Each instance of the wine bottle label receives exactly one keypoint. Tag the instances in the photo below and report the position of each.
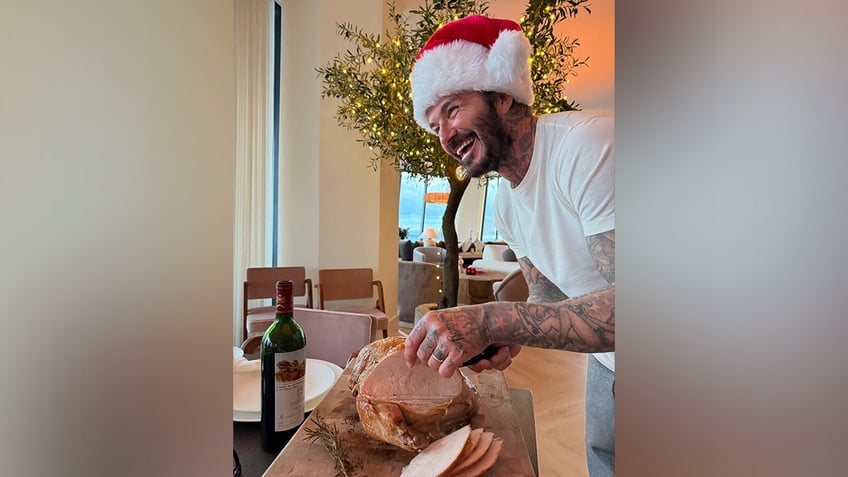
(289, 384)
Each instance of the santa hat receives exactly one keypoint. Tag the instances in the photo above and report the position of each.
(474, 53)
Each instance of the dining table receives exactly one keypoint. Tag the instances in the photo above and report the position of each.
(477, 288)
(248, 456)
(507, 412)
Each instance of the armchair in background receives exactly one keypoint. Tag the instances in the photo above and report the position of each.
(418, 283)
(435, 255)
(497, 257)
(512, 288)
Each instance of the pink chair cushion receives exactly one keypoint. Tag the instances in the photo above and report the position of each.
(259, 319)
(381, 318)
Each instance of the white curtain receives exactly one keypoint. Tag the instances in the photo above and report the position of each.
(254, 27)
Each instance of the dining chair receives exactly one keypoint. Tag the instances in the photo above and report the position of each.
(330, 335)
(261, 283)
(335, 284)
(418, 283)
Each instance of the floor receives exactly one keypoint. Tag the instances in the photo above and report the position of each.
(558, 382)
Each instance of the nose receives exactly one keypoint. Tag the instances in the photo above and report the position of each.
(445, 134)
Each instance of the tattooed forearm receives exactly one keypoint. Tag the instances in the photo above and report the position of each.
(542, 290)
(466, 323)
(583, 324)
(602, 248)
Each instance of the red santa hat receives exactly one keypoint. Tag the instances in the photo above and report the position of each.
(474, 53)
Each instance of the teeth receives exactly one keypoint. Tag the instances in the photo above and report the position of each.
(461, 149)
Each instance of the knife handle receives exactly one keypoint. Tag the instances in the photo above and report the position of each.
(487, 353)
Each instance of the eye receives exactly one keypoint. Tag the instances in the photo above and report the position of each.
(452, 111)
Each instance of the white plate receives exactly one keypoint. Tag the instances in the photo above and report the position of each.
(247, 400)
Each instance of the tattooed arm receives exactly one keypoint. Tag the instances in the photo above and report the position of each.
(583, 324)
(541, 289)
(602, 247)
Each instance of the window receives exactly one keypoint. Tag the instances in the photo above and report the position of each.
(416, 214)
(275, 153)
(411, 206)
(490, 233)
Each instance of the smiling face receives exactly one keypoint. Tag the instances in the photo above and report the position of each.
(471, 130)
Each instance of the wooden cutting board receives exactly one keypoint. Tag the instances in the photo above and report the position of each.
(302, 458)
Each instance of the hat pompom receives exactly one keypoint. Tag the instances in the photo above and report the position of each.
(508, 56)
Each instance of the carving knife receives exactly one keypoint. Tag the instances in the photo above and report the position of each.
(487, 353)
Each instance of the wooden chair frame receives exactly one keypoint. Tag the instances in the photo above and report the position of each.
(261, 282)
(351, 284)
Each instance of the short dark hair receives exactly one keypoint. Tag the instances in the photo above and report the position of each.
(516, 107)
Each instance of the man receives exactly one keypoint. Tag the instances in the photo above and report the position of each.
(471, 87)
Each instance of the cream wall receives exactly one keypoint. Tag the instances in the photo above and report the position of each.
(116, 236)
(300, 135)
(339, 211)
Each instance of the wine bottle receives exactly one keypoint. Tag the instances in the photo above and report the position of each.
(283, 365)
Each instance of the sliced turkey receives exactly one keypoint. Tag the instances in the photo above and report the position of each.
(439, 456)
(463, 453)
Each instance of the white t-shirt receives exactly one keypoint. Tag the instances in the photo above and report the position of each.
(567, 195)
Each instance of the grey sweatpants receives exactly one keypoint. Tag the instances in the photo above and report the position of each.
(600, 420)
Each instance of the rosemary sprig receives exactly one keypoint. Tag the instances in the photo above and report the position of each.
(329, 436)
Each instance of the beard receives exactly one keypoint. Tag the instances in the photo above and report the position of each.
(496, 143)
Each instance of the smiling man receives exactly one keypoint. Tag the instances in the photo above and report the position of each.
(471, 87)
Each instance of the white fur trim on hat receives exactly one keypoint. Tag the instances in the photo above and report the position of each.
(462, 66)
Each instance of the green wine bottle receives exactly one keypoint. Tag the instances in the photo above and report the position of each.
(283, 364)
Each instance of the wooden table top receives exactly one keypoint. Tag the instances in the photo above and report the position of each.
(301, 458)
(483, 275)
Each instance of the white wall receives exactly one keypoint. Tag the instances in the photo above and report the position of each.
(116, 232)
(339, 212)
(349, 210)
(300, 125)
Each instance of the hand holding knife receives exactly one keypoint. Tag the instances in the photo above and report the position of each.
(487, 353)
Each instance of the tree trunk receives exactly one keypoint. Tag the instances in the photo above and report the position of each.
(450, 273)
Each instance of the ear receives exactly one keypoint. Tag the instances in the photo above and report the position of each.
(503, 103)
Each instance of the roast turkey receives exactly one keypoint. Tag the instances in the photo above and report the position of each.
(408, 407)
